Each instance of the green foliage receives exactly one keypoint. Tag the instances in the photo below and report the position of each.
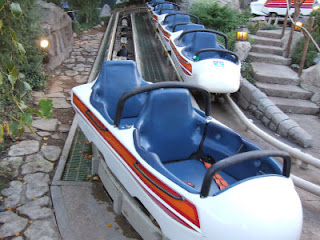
(87, 11)
(312, 50)
(270, 27)
(247, 71)
(19, 59)
(27, 29)
(215, 16)
(316, 14)
(232, 39)
(253, 27)
(311, 54)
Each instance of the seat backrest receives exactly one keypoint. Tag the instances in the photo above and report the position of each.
(163, 6)
(201, 40)
(168, 125)
(156, 2)
(175, 19)
(115, 78)
(188, 26)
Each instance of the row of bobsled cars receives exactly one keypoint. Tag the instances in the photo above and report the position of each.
(196, 177)
(196, 52)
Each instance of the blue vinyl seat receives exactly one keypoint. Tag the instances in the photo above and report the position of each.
(169, 126)
(154, 2)
(198, 41)
(167, 11)
(188, 26)
(159, 7)
(172, 20)
(115, 78)
(168, 131)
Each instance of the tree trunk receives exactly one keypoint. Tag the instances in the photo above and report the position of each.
(295, 17)
(306, 46)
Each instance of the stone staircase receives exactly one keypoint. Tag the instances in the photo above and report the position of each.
(274, 76)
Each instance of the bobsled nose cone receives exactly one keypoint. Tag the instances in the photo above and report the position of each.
(220, 81)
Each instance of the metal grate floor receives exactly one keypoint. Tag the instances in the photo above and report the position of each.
(78, 166)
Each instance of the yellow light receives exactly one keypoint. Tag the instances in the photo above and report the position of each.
(298, 26)
(44, 43)
(242, 36)
(315, 8)
(242, 33)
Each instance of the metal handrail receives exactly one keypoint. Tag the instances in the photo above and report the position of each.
(294, 152)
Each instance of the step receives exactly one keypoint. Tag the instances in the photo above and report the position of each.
(296, 106)
(276, 34)
(258, 48)
(284, 91)
(276, 74)
(267, 41)
(269, 58)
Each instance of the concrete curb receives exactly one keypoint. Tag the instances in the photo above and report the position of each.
(258, 104)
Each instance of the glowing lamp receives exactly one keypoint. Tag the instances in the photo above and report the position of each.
(298, 26)
(44, 43)
(315, 6)
(242, 33)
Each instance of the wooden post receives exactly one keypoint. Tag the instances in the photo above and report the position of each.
(297, 5)
(306, 45)
(285, 24)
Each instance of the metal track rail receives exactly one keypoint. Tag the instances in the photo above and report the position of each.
(113, 38)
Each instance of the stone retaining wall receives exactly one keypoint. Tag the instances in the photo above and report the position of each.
(259, 105)
(58, 27)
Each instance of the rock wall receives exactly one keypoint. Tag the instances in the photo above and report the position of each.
(310, 80)
(296, 37)
(58, 27)
(259, 105)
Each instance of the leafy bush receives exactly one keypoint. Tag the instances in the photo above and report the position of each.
(20, 58)
(215, 16)
(270, 27)
(87, 11)
(247, 71)
(312, 50)
(27, 29)
(311, 54)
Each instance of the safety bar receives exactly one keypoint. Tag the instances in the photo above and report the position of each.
(155, 86)
(242, 157)
(208, 31)
(172, 14)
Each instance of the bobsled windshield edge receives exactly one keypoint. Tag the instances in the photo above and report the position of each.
(155, 86)
(196, 18)
(207, 31)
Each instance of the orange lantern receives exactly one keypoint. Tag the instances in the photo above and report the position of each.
(242, 33)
